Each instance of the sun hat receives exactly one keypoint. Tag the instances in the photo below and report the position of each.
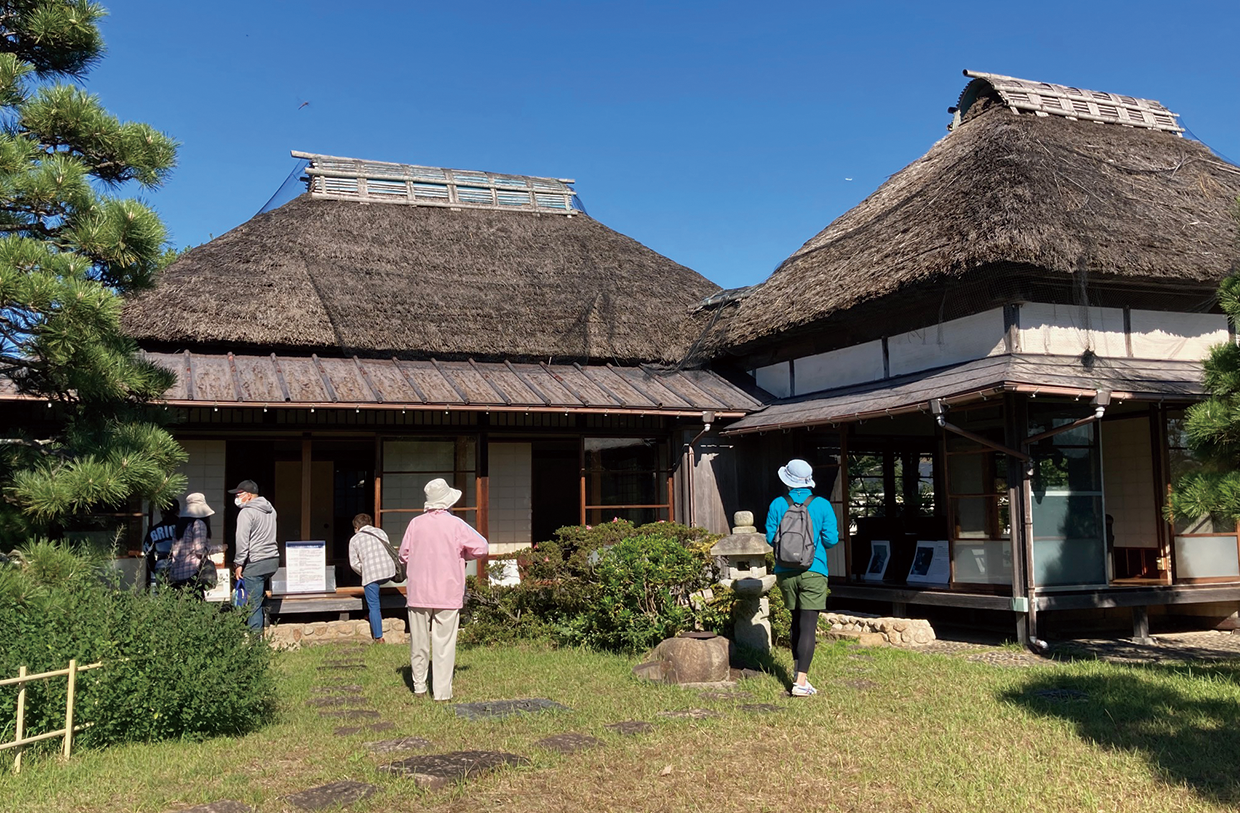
(797, 474)
(248, 486)
(196, 506)
(440, 495)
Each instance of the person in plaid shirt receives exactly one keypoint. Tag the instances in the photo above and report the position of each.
(192, 545)
(370, 556)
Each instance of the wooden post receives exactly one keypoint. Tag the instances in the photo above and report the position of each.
(69, 708)
(21, 719)
(307, 493)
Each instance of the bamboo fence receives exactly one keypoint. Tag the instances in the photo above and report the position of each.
(67, 732)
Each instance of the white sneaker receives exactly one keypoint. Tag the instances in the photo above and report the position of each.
(803, 691)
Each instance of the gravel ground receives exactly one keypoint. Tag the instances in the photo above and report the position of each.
(1204, 646)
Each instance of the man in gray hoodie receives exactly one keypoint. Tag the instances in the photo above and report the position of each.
(257, 556)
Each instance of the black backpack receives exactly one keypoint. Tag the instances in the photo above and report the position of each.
(795, 543)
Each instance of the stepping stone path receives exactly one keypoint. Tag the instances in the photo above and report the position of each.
(350, 730)
(398, 744)
(760, 708)
(434, 771)
(715, 694)
(627, 728)
(506, 708)
(1061, 695)
(340, 688)
(336, 794)
(352, 715)
(222, 806)
(342, 666)
(860, 685)
(336, 700)
(689, 714)
(569, 742)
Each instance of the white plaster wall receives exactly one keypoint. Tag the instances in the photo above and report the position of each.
(1069, 330)
(965, 339)
(839, 368)
(1128, 482)
(774, 379)
(1176, 336)
(510, 503)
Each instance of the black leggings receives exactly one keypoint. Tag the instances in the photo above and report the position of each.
(804, 636)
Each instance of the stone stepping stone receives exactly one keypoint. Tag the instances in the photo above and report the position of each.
(222, 806)
(341, 688)
(342, 666)
(1061, 695)
(336, 794)
(628, 728)
(689, 714)
(336, 700)
(569, 742)
(352, 715)
(505, 708)
(716, 694)
(434, 771)
(350, 730)
(760, 708)
(860, 685)
(398, 744)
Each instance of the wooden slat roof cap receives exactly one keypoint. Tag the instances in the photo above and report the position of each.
(1047, 99)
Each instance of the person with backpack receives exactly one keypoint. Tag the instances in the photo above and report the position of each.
(373, 558)
(800, 527)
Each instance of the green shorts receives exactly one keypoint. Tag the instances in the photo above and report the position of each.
(803, 591)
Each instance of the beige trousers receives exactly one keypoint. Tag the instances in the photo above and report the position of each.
(432, 638)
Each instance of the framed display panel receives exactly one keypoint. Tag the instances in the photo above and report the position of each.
(880, 556)
(931, 563)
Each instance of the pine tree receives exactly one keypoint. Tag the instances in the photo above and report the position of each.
(1213, 430)
(70, 248)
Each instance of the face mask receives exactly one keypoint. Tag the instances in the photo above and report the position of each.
(237, 501)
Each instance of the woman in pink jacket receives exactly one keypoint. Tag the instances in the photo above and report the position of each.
(435, 547)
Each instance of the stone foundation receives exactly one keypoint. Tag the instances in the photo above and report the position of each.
(294, 636)
(869, 630)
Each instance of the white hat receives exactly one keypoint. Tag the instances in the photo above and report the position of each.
(440, 495)
(797, 474)
(196, 506)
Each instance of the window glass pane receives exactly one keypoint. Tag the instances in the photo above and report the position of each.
(866, 497)
(625, 471)
(1068, 540)
(432, 455)
(1206, 557)
(983, 562)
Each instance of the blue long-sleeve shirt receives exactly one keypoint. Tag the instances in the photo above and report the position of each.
(826, 530)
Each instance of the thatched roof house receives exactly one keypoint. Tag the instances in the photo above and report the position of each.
(483, 266)
(1034, 194)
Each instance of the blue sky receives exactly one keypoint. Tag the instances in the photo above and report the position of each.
(723, 135)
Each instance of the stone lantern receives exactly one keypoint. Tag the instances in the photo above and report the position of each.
(744, 570)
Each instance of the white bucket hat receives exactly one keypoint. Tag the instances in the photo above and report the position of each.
(196, 506)
(797, 474)
(440, 495)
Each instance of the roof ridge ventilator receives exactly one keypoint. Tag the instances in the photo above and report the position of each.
(1047, 99)
(334, 178)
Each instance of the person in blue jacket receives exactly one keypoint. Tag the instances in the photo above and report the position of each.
(805, 591)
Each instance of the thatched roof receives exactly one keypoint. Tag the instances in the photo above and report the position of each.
(1003, 202)
(348, 278)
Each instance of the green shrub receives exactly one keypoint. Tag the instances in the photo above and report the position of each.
(611, 586)
(174, 666)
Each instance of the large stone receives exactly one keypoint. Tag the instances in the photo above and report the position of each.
(434, 771)
(693, 660)
(336, 794)
(506, 708)
(398, 744)
(872, 639)
(627, 728)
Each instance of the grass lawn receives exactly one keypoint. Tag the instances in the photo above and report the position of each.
(890, 731)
